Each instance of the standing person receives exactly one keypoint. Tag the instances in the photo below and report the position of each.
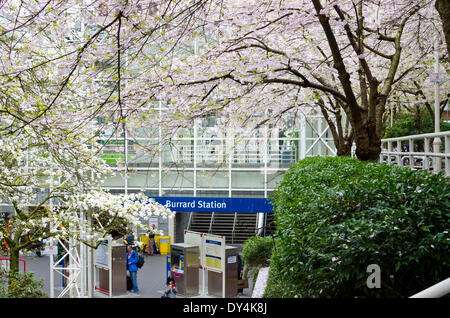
(151, 239)
(128, 239)
(132, 259)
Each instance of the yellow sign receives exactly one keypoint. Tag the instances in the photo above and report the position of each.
(213, 262)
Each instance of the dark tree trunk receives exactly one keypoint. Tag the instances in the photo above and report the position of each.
(368, 141)
(443, 7)
(14, 259)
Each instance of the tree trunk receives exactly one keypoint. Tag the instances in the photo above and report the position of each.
(368, 141)
(345, 147)
(13, 263)
(14, 259)
(443, 7)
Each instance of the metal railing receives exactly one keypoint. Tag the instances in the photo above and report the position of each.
(436, 291)
(416, 151)
(249, 154)
(5, 264)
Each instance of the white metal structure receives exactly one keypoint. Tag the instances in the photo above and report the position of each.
(420, 154)
(70, 272)
(436, 291)
(206, 159)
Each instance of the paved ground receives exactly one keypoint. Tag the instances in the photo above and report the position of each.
(151, 277)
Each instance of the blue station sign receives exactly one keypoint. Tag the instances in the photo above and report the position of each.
(207, 204)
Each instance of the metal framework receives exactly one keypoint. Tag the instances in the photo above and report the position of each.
(69, 267)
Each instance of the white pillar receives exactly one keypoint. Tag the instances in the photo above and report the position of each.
(437, 166)
(302, 136)
(171, 228)
(319, 135)
(83, 253)
(90, 253)
(52, 277)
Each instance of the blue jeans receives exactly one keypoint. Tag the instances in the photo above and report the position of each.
(135, 288)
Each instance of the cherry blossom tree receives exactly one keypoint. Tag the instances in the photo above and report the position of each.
(61, 66)
(37, 170)
(49, 185)
(271, 54)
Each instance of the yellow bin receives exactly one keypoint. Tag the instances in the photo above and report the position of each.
(144, 240)
(163, 243)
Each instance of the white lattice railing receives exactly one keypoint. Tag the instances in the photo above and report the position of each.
(418, 153)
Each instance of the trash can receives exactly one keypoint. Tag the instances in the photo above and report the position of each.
(163, 243)
(185, 264)
(144, 241)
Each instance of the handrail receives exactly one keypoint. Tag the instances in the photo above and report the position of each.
(436, 291)
(428, 135)
(427, 159)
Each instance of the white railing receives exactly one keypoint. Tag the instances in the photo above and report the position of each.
(419, 152)
(436, 291)
(416, 151)
(248, 154)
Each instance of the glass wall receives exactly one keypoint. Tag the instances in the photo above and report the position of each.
(204, 161)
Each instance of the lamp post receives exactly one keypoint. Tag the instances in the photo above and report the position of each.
(436, 78)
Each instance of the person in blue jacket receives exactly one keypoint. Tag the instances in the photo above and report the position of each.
(132, 259)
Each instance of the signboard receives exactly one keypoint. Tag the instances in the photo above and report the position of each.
(102, 260)
(102, 254)
(51, 250)
(437, 77)
(193, 238)
(153, 221)
(207, 204)
(232, 259)
(214, 252)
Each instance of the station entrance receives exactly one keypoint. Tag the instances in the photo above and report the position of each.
(236, 227)
(235, 218)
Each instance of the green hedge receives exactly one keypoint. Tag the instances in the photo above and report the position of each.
(335, 216)
(256, 253)
(20, 285)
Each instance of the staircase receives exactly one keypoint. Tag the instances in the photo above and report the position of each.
(200, 222)
(269, 228)
(246, 227)
(223, 224)
(236, 227)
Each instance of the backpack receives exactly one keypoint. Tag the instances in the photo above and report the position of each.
(140, 261)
